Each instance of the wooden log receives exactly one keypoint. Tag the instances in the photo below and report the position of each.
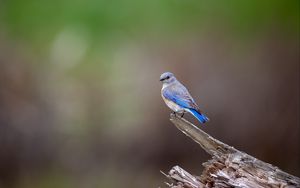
(228, 166)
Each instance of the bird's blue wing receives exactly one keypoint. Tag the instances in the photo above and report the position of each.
(183, 99)
(178, 94)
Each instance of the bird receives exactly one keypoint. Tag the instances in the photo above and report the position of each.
(178, 99)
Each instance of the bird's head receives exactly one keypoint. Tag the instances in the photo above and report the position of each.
(167, 77)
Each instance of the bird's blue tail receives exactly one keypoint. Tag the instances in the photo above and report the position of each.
(201, 117)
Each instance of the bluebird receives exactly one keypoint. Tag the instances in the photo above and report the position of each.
(177, 97)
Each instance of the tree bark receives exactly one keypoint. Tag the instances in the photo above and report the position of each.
(228, 166)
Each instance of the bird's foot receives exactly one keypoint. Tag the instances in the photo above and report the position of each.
(174, 113)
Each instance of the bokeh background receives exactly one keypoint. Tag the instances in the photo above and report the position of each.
(80, 101)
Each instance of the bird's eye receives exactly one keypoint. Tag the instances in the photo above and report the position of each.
(167, 77)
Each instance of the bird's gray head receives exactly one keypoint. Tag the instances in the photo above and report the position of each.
(167, 77)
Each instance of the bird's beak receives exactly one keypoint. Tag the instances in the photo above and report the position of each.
(161, 79)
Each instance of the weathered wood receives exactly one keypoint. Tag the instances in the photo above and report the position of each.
(182, 178)
(228, 166)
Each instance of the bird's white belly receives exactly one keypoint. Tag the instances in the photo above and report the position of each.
(173, 106)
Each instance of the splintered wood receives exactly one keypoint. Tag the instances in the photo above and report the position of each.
(228, 166)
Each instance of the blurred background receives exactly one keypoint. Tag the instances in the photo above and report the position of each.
(80, 102)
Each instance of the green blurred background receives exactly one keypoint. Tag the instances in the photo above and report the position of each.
(80, 101)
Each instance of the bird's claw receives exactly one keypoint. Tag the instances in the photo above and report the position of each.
(174, 113)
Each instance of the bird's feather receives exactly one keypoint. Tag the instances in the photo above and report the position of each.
(179, 95)
(201, 117)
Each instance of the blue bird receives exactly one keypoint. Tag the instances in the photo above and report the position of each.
(177, 97)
